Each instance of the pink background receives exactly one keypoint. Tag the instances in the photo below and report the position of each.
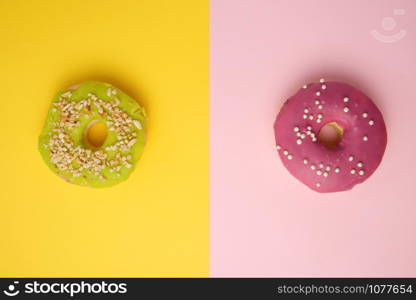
(263, 221)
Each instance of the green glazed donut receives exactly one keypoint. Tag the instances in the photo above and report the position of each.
(65, 145)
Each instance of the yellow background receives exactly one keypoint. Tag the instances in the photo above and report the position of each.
(155, 223)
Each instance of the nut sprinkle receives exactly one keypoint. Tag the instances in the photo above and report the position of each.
(70, 156)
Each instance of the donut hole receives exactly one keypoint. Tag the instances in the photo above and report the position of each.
(95, 134)
(330, 135)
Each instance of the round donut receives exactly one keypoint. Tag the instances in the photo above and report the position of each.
(65, 143)
(333, 167)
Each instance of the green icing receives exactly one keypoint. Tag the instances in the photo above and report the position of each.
(72, 164)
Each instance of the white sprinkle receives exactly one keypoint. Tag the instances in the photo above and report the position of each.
(132, 142)
(128, 166)
(337, 170)
(278, 147)
(361, 172)
(298, 134)
(305, 116)
(321, 80)
(285, 152)
(359, 164)
(308, 132)
(318, 184)
(309, 127)
(318, 93)
(306, 110)
(313, 167)
(299, 141)
(302, 136)
(321, 165)
(317, 102)
(365, 138)
(314, 139)
(318, 121)
(320, 107)
(328, 168)
(351, 158)
(346, 109)
(320, 116)
(346, 99)
(290, 156)
(365, 115)
(319, 172)
(371, 122)
(137, 124)
(305, 161)
(352, 171)
(305, 86)
(295, 129)
(325, 174)
(323, 86)
(310, 117)
(67, 94)
(109, 92)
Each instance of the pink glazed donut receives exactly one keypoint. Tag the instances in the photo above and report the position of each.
(342, 164)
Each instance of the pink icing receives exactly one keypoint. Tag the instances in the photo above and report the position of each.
(358, 154)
